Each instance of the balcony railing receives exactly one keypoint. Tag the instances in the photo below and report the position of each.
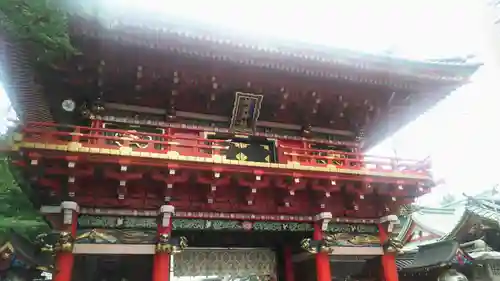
(199, 145)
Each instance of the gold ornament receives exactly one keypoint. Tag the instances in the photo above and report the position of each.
(325, 245)
(94, 235)
(64, 242)
(45, 247)
(164, 245)
(393, 246)
(5, 255)
(133, 139)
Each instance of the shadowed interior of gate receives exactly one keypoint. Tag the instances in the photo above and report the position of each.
(113, 267)
(135, 267)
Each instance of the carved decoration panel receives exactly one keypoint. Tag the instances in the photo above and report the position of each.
(226, 262)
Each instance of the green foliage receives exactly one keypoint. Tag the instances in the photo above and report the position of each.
(40, 24)
(16, 211)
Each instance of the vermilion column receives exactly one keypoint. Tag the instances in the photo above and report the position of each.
(322, 259)
(161, 262)
(389, 268)
(65, 259)
(287, 254)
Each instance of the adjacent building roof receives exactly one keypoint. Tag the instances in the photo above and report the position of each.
(477, 210)
(449, 225)
(445, 222)
(424, 259)
(430, 256)
(427, 224)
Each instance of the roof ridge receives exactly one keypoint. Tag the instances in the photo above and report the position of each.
(437, 210)
(217, 37)
(206, 27)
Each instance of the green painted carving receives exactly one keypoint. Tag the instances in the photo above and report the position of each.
(96, 221)
(195, 224)
(138, 222)
(267, 226)
(88, 221)
(188, 224)
(280, 226)
(297, 226)
(85, 221)
(352, 228)
(224, 224)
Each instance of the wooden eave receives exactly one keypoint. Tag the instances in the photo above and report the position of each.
(428, 81)
(395, 112)
(25, 95)
(218, 45)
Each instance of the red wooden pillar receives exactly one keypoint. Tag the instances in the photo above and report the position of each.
(95, 124)
(389, 268)
(323, 271)
(65, 259)
(161, 262)
(289, 274)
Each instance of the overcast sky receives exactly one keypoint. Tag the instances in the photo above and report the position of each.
(459, 134)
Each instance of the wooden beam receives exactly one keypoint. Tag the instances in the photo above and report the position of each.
(217, 118)
(344, 254)
(114, 249)
(131, 249)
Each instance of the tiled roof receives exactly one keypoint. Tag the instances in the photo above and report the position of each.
(449, 219)
(485, 209)
(405, 260)
(401, 263)
(479, 208)
(448, 252)
(438, 221)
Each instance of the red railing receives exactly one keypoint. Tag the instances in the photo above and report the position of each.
(194, 142)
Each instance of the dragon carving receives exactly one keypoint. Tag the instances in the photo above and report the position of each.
(134, 139)
(166, 244)
(393, 246)
(55, 242)
(326, 245)
(94, 236)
